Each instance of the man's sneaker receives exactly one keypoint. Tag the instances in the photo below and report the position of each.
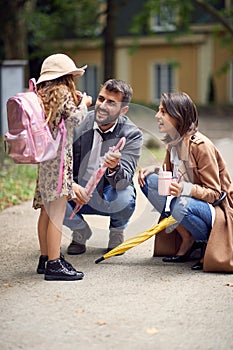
(115, 239)
(56, 270)
(41, 265)
(76, 248)
(79, 238)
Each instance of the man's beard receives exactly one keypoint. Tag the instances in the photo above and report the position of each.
(108, 120)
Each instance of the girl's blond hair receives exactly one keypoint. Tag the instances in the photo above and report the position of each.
(51, 94)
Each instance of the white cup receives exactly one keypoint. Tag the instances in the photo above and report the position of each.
(164, 182)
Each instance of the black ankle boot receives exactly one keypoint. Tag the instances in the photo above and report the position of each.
(68, 265)
(56, 270)
(41, 265)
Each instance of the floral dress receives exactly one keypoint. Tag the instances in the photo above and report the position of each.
(48, 172)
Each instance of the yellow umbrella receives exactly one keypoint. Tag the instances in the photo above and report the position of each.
(141, 237)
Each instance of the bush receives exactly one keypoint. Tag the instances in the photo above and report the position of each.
(17, 181)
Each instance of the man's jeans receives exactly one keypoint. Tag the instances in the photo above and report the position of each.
(195, 215)
(118, 205)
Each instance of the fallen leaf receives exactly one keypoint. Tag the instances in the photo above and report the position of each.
(79, 311)
(101, 322)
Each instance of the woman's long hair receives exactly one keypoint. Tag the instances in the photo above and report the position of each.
(52, 92)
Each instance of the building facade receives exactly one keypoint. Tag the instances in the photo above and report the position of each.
(153, 64)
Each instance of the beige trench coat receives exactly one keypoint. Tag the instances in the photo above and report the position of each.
(204, 166)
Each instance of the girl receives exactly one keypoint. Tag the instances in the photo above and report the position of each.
(56, 90)
(200, 170)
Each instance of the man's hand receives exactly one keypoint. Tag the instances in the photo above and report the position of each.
(81, 195)
(112, 158)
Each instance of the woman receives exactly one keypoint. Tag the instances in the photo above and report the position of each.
(58, 95)
(199, 172)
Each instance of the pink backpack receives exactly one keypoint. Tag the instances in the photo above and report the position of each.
(29, 139)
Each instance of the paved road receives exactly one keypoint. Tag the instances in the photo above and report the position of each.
(133, 301)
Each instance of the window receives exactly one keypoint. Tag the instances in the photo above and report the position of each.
(163, 80)
(163, 21)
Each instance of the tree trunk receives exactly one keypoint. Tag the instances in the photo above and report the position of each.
(13, 30)
(109, 40)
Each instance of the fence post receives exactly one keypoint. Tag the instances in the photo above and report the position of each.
(12, 78)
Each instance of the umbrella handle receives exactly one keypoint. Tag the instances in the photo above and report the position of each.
(97, 261)
(74, 212)
(99, 173)
(120, 145)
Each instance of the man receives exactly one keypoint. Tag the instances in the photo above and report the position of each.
(115, 194)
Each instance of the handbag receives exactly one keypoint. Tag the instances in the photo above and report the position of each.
(166, 244)
(219, 251)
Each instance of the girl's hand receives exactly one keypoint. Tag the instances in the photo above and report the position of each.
(144, 172)
(176, 188)
(79, 95)
(87, 100)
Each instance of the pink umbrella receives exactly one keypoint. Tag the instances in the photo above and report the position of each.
(97, 175)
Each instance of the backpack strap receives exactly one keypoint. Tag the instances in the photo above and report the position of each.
(63, 132)
(32, 85)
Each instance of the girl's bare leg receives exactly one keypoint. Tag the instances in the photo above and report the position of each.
(56, 213)
(42, 231)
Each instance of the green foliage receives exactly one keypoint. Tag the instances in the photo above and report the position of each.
(180, 15)
(17, 181)
(177, 18)
(57, 20)
(171, 12)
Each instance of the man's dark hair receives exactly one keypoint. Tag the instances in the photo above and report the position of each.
(121, 86)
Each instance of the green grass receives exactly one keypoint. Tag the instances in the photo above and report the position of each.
(17, 181)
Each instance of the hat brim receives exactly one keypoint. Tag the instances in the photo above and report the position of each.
(54, 75)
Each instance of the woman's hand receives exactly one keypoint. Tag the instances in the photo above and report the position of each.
(144, 172)
(81, 195)
(176, 188)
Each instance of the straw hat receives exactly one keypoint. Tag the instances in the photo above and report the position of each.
(57, 65)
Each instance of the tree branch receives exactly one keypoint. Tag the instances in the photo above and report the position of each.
(216, 14)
